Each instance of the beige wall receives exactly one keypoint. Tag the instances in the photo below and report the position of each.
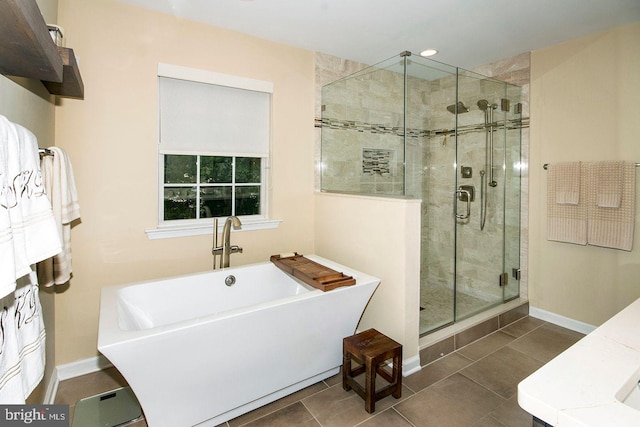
(585, 105)
(111, 137)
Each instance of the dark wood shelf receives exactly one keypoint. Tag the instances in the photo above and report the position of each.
(27, 50)
(71, 85)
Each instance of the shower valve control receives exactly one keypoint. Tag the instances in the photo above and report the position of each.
(466, 171)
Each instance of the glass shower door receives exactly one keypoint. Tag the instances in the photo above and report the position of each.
(513, 173)
(488, 186)
(431, 158)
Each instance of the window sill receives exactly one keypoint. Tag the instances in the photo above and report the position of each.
(165, 232)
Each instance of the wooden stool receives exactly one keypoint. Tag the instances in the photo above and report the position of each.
(371, 349)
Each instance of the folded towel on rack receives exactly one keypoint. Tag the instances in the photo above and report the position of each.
(611, 226)
(608, 183)
(60, 185)
(567, 183)
(32, 225)
(567, 221)
(22, 348)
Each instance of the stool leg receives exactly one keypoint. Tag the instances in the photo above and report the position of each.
(397, 376)
(370, 387)
(346, 369)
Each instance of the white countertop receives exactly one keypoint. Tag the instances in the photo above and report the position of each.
(582, 386)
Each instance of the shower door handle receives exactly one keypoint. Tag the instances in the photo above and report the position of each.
(461, 194)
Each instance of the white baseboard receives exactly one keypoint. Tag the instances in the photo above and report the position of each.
(411, 366)
(565, 322)
(82, 367)
(72, 370)
(52, 389)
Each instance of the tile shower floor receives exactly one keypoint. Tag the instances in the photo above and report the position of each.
(474, 386)
(438, 304)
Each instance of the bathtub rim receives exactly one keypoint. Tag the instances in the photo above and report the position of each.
(110, 333)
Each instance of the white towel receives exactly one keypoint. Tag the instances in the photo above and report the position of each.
(61, 188)
(22, 196)
(22, 338)
(567, 183)
(610, 226)
(41, 239)
(567, 222)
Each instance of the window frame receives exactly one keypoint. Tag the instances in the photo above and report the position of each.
(199, 226)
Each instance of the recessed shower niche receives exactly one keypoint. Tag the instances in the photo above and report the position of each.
(422, 120)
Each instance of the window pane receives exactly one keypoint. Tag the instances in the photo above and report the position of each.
(179, 203)
(248, 169)
(215, 169)
(248, 200)
(215, 201)
(179, 169)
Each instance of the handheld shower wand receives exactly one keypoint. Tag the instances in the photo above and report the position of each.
(484, 105)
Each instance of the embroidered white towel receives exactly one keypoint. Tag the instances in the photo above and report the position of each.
(567, 183)
(610, 226)
(59, 182)
(41, 238)
(32, 228)
(22, 346)
(567, 221)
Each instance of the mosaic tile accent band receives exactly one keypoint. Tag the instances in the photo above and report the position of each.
(415, 133)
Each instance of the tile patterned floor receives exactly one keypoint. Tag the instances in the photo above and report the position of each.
(474, 386)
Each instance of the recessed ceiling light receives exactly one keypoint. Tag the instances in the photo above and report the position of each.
(428, 52)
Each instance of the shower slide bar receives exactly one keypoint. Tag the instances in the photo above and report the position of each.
(546, 165)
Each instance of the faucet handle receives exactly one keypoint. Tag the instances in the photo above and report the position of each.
(235, 249)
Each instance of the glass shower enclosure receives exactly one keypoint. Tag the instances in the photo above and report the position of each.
(413, 127)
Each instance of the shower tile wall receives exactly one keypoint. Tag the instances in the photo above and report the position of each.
(328, 69)
(367, 112)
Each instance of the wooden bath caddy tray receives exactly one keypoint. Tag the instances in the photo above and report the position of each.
(311, 272)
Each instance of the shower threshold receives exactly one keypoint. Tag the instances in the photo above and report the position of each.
(451, 337)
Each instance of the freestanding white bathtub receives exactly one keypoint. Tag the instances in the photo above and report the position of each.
(198, 352)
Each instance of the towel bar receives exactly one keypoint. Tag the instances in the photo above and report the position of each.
(546, 165)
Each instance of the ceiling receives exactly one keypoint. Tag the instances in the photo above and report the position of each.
(467, 33)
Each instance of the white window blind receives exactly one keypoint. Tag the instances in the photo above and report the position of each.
(197, 117)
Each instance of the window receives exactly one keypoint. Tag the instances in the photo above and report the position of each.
(211, 186)
(213, 152)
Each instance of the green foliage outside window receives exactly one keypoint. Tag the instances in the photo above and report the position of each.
(224, 186)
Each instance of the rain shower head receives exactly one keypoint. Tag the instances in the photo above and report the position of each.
(458, 108)
(483, 104)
